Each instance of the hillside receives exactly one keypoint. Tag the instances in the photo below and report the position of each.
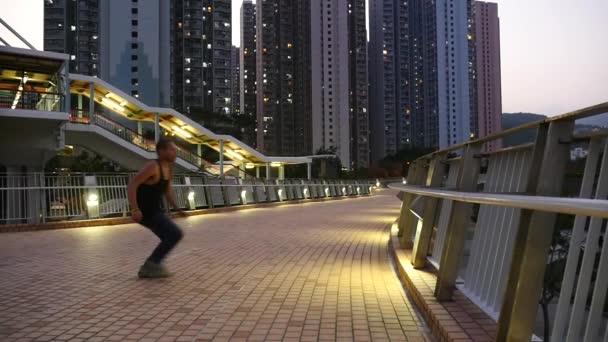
(510, 120)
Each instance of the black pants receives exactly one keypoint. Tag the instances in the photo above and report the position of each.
(168, 233)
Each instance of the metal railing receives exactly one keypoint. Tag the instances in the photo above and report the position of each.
(38, 198)
(129, 135)
(518, 230)
(21, 99)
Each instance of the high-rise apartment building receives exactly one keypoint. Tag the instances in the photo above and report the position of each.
(72, 27)
(284, 77)
(201, 43)
(247, 78)
(235, 101)
(488, 75)
(339, 80)
(248, 59)
(389, 77)
(134, 50)
(170, 53)
(123, 42)
(453, 71)
(420, 74)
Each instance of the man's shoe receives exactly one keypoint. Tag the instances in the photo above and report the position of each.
(152, 270)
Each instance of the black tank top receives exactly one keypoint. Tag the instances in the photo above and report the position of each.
(150, 196)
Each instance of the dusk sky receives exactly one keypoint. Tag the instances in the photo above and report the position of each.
(554, 53)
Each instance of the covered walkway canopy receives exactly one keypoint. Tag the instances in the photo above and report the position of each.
(103, 93)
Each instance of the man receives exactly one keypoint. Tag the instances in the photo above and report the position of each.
(146, 191)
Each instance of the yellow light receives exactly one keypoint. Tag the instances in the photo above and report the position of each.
(289, 45)
(472, 135)
(249, 166)
(230, 152)
(93, 197)
(191, 196)
(275, 164)
(111, 103)
(181, 132)
(469, 37)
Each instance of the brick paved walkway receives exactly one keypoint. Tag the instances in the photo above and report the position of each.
(312, 272)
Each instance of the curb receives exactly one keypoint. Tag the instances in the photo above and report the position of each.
(453, 321)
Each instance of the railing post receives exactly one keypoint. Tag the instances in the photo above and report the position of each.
(534, 235)
(406, 219)
(91, 100)
(79, 106)
(459, 218)
(156, 127)
(66, 79)
(222, 159)
(309, 170)
(423, 236)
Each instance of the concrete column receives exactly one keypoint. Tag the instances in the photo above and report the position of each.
(66, 86)
(156, 127)
(257, 172)
(140, 127)
(282, 172)
(242, 171)
(221, 158)
(199, 149)
(91, 100)
(267, 170)
(309, 169)
(79, 105)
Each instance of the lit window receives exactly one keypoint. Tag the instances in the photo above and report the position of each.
(73, 28)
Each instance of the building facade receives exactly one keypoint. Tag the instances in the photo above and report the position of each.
(235, 101)
(339, 80)
(247, 78)
(135, 50)
(201, 45)
(453, 71)
(283, 76)
(72, 27)
(488, 74)
(388, 77)
(420, 74)
(168, 53)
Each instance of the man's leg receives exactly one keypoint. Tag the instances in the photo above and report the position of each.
(169, 235)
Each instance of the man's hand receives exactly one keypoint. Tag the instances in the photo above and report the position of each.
(136, 215)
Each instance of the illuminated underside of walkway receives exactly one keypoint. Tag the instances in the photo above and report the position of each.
(313, 272)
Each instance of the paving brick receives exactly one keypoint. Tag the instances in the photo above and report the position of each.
(310, 272)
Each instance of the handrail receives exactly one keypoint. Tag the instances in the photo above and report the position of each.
(574, 115)
(570, 206)
(146, 144)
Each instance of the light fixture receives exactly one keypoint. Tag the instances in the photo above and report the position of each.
(111, 103)
(327, 192)
(404, 181)
(191, 196)
(181, 132)
(377, 183)
(275, 164)
(249, 166)
(343, 191)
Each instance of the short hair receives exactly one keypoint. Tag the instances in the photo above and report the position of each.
(163, 143)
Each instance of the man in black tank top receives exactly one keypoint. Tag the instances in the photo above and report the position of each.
(146, 191)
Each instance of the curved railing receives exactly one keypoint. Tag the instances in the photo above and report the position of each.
(508, 227)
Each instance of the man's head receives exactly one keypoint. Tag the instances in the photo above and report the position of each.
(165, 149)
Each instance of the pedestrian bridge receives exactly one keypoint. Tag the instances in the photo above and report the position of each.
(307, 272)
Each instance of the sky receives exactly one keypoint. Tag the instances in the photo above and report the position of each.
(554, 53)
